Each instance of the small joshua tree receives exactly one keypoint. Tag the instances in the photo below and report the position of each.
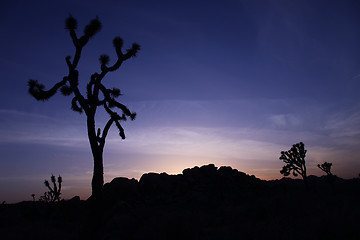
(326, 167)
(97, 95)
(33, 197)
(295, 161)
(54, 192)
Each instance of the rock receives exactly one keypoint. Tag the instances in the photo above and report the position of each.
(75, 199)
(121, 189)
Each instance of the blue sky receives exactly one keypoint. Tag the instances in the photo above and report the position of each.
(223, 82)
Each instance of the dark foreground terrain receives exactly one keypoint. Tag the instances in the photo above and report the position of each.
(201, 203)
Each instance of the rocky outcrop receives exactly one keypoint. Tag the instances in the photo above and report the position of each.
(206, 182)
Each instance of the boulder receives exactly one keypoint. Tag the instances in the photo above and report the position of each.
(121, 189)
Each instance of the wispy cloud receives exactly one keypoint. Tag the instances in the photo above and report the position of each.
(357, 76)
(344, 125)
(284, 120)
(24, 127)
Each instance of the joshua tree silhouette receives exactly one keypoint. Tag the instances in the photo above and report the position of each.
(295, 161)
(326, 167)
(97, 95)
(54, 192)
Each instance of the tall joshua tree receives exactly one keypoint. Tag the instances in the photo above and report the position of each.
(97, 95)
(295, 161)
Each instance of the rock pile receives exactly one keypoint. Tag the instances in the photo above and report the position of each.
(206, 182)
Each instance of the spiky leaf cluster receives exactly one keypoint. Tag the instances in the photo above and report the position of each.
(115, 92)
(92, 28)
(104, 59)
(70, 23)
(132, 116)
(133, 50)
(36, 90)
(118, 42)
(66, 90)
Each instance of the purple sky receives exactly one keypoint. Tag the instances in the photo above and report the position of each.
(223, 82)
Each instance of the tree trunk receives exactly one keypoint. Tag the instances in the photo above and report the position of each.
(306, 181)
(98, 176)
(304, 175)
(97, 152)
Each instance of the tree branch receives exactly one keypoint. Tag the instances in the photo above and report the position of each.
(36, 89)
(105, 132)
(74, 81)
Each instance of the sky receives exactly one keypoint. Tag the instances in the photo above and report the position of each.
(231, 83)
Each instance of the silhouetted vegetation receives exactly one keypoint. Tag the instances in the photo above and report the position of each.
(326, 167)
(54, 192)
(97, 94)
(295, 161)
